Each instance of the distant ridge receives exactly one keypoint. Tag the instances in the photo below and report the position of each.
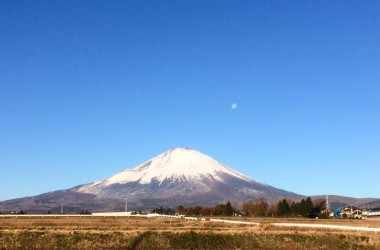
(337, 201)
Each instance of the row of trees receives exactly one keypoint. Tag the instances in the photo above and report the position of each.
(161, 210)
(304, 208)
(14, 212)
(260, 207)
(256, 208)
(219, 210)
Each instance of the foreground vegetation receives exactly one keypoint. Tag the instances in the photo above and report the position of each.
(179, 240)
(161, 233)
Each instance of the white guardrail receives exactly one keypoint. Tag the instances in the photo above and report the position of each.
(43, 215)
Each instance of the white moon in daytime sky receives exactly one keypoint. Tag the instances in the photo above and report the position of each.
(234, 105)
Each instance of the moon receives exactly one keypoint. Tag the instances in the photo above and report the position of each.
(234, 105)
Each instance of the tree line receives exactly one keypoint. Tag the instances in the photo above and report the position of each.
(284, 208)
(218, 210)
(260, 207)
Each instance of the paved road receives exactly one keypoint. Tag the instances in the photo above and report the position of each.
(236, 222)
(322, 226)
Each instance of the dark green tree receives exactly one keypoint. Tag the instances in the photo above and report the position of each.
(302, 208)
(180, 209)
(308, 206)
(295, 208)
(229, 209)
(283, 208)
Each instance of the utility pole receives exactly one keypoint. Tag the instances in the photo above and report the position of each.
(126, 204)
(62, 208)
(327, 203)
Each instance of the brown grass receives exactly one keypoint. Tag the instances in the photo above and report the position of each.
(163, 233)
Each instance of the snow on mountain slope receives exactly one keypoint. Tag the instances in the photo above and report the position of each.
(180, 176)
(176, 165)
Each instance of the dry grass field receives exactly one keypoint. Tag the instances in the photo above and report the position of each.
(164, 233)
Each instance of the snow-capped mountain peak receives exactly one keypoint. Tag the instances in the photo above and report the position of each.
(175, 165)
(180, 176)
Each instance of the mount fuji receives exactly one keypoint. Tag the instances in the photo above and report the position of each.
(179, 176)
(183, 176)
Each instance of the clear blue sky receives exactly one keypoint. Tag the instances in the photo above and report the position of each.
(89, 88)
